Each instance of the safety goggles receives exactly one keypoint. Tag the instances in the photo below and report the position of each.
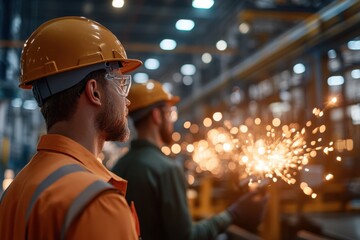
(171, 113)
(122, 82)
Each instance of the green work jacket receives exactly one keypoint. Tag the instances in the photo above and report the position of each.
(157, 187)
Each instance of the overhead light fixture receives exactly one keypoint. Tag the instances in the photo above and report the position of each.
(335, 80)
(177, 77)
(203, 4)
(355, 114)
(279, 107)
(188, 69)
(118, 3)
(354, 45)
(206, 58)
(244, 28)
(168, 44)
(187, 80)
(285, 96)
(221, 45)
(236, 96)
(16, 103)
(152, 64)
(355, 73)
(30, 105)
(332, 53)
(141, 77)
(185, 25)
(299, 68)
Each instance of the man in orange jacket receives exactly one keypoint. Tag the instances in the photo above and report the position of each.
(75, 68)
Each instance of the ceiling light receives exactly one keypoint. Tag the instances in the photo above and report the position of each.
(204, 4)
(235, 97)
(331, 53)
(177, 77)
(185, 25)
(285, 96)
(279, 107)
(355, 114)
(16, 103)
(206, 58)
(168, 44)
(299, 68)
(187, 80)
(244, 28)
(118, 3)
(141, 77)
(335, 80)
(354, 45)
(355, 73)
(221, 45)
(188, 69)
(152, 64)
(30, 105)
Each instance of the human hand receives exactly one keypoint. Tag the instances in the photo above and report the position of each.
(248, 210)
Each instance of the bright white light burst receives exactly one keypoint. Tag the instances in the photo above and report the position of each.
(262, 151)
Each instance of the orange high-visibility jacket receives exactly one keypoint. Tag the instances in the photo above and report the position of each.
(64, 192)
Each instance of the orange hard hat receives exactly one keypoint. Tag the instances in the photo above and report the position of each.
(143, 95)
(70, 43)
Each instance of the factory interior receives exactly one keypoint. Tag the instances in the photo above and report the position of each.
(253, 76)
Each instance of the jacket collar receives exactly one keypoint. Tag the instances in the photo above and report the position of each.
(67, 146)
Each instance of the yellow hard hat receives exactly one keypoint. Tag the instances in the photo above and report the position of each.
(70, 43)
(143, 95)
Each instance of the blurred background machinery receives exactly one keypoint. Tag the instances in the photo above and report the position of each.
(230, 61)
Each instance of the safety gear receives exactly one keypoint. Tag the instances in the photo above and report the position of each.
(143, 95)
(37, 199)
(248, 210)
(70, 43)
(171, 113)
(122, 82)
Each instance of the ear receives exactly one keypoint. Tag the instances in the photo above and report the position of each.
(92, 92)
(156, 116)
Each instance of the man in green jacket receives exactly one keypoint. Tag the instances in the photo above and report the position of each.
(157, 185)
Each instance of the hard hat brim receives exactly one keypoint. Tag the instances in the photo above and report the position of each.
(130, 65)
(174, 100)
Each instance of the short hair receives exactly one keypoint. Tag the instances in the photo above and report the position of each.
(61, 106)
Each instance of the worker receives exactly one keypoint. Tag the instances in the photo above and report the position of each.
(75, 68)
(156, 183)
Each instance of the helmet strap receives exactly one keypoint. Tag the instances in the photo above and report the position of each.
(48, 86)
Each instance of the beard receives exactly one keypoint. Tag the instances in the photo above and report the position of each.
(112, 121)
(166, 133)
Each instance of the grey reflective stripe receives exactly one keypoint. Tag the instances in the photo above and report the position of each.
(81, 201)
(53, 177)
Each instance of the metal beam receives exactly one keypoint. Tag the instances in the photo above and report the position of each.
(250, 15)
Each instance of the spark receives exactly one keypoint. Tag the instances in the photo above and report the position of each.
(263, 151)
(329, 177)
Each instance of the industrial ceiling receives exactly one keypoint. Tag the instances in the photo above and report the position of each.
(142, 24)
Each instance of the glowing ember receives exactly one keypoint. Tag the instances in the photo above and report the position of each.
(261, 151)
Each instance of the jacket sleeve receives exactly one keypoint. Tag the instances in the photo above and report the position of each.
(176, 216)
(108, 216)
